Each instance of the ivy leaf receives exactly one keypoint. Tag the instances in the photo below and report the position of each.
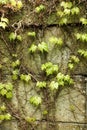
(53, 85)
(1, 86)
(36, 100)
(16, 63)
(83, 21)
(19, 4)
(55, 40)
(75, 10)
(43, 47)
(63, 21)
(15, 72)
(31, 34)
(40, 8)
(7, 116)
(2, 117)
(33, 48)
(9, 95)
(66, 4)
(13, 3)
(41, 84)
(9, 86)
(3, 92)
(3, 108)
(30, 120)
(3, 25)
(12, 36)
(67, 11)
(71, 66)
(14, 77)
(19, 38)
(25, 78)
(4, 20)
(3, 1)
(46, 65)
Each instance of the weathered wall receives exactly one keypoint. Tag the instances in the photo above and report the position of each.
(67, 109)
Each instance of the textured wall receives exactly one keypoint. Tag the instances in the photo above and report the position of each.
(67, 109)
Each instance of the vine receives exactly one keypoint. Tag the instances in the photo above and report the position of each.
(52, 80)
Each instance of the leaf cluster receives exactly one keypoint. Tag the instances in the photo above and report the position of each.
(49, 68)
(6, 90)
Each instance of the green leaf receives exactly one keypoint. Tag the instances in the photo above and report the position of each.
(15, 63)
(14, 77)
(12, 36)
(63, 21)
(15, 72)
(75, 10)
(70, 66)
(35, 100)
(2, 117)
(31, 34)
(41, 84)
(25, 78)
(3, 92)
(83, 52)
(4, 20)
(83, 21)
(9, 95)
(3, 25)
(9, 86)
(7, 116)
(67, 11)
(66, 4)
(46, 65)
(1, 86)
(30, 120)
(49, 68)
(43, 47)
(40, 8)
(55, 40)
(75, 59)
(3, 108)
(53, 85)
(19, 38)
(33, 48)
(3, 1)
(19, 4)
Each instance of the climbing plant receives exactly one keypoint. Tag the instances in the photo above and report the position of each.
(52, 80)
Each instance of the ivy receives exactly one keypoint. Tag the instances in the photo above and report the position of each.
(56, 41)
(41, 84)
(31, 34)
(39, 8)
(35, 100)
(32, 48)
(81, 36)
(30, 119)
(49, 68)
(73, 61)
(6, 90)
(4, 22)
(64, 79)
(54, 86)
(15, 63)
(43, 47)
(83, 53)
(25, 77)
(13, 36)
(83, 21)
(66, 4)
